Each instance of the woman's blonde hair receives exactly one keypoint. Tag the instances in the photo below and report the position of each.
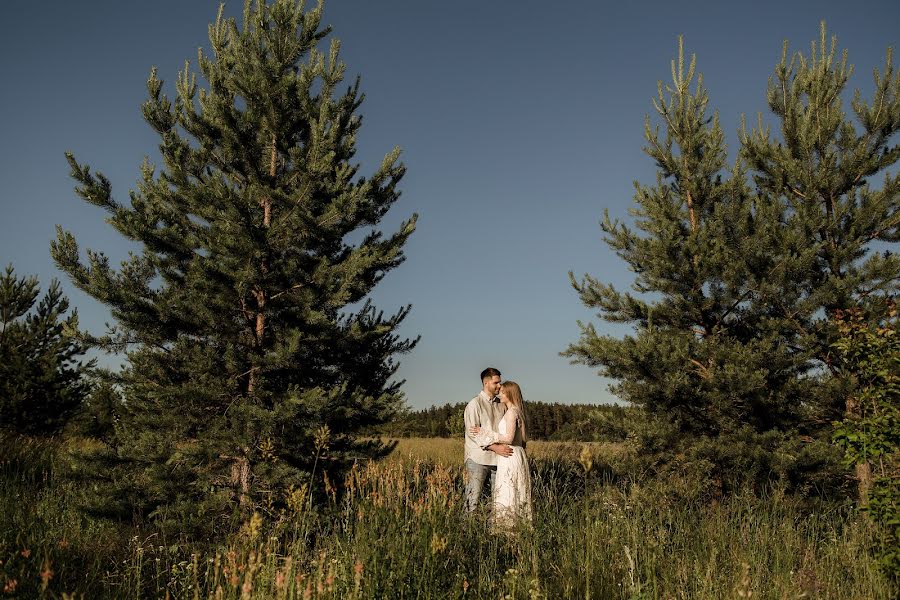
(514, 393)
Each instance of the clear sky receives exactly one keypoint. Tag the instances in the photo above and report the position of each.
(520, 122)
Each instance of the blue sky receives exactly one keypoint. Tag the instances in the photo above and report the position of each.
(520, 123)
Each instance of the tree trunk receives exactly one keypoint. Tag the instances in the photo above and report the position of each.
(260, 293)
(240, 479)
(862, 470)
(691, 213)
(864, 481)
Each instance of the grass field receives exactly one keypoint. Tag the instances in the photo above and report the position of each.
(398, 531)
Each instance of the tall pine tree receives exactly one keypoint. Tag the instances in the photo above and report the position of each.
(735, 342)
(237, 316)
(700, 356)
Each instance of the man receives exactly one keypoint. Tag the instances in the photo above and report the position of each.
(484, 410)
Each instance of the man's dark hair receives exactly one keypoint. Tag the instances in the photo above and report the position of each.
(489, 372)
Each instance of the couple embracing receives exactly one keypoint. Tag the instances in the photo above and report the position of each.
(495, 450)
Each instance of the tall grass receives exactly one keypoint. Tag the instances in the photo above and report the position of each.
(398, 531)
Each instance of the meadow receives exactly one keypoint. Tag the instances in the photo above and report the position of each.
(396, 529)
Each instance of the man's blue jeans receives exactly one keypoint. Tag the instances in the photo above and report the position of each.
(475, 486)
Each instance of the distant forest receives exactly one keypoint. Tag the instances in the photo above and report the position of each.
(546, 421)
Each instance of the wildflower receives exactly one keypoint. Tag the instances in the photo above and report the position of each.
(280, 579)
(63, 543)
(296, 498)
(329, 579)
(10, 586)
(25, 553)
(438, 544)
(534, 590)
(46, 575)
(320, 441)
(744, 590)
(253, 526)
(358, 568)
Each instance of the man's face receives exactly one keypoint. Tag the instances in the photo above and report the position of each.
(492, 385)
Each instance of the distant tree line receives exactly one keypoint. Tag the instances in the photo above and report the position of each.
(546, 421)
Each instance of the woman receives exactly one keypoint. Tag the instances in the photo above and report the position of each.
(512, 487)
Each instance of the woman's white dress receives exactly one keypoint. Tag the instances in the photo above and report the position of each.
(512, 487)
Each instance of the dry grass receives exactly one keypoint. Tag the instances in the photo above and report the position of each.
(398, 531)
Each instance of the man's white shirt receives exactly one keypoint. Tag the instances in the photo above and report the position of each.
(483, 411)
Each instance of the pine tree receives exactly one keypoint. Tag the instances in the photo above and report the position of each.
(42, 380)
(735, 342)
(701, 357)
(816, 178)
(237, 315)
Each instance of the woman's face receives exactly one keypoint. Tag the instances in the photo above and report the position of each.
(503, 396)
